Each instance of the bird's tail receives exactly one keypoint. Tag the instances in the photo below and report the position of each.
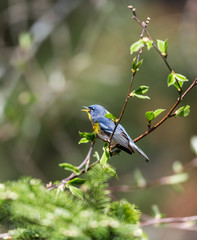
(135, 147)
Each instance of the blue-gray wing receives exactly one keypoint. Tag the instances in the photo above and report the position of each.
(120, 136)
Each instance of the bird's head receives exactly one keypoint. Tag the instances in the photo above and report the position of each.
(95, 111)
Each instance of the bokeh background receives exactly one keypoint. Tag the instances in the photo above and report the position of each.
(59, 55)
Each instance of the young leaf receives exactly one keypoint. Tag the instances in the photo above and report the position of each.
(162, 45)
(78, 181)
(70, 167)
(158, 111)
(83, 140)
(105, 157)
(152, 115)
(149, 44)
(135, 66)
(183, 111)
(134, 63)
(96, 155)
(177, 86)
(86, 137)
(136, 46)
(110, 116)
(171, 79)
(139, 92)
(138, 64)
(76, 191)
(149, 116)
(166, 45)
(141, 96)
(180, 77)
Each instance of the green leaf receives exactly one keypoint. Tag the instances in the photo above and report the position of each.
(166, 45)
(83, 140)
(180, 77)
(138, 64)
(177, 86)
(96, 155)
(149, 44)
(134, 63)
(171, 79)
(136, 46)
(78, 181)
(135, 66)
(158, 111)
(76, 191)
(70, 167)
(174, 77)
(139, 92)
(149, 116)
(110, 116)
(87, 137)
(162, 45)
(105, 157)
(141, 96)
(183, 111)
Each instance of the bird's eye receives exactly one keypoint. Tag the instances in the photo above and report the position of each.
(92, 108)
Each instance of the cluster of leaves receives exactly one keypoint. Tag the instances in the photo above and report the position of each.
(174, 79)
(30, 211)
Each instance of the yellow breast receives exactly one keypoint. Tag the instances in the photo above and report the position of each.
(96, 128)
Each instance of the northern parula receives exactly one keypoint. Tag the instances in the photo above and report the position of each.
(103, 127)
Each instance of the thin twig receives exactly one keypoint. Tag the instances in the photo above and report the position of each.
(155, 183)
(63, 182)
(169, 114)
(131, 81)
(154, 221)
(156, 48)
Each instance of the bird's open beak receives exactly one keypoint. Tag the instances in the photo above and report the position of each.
(85, 109)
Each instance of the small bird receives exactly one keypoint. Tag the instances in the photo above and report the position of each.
(103, 127)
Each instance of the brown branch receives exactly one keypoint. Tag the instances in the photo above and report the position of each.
(154, 221)
(169, 114)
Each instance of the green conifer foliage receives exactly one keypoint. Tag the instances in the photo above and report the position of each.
(30, 211)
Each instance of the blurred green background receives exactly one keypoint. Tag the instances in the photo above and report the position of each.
(57, 56)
